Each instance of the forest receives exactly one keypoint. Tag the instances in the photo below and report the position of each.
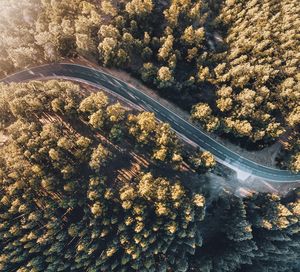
(233, 64)
(87, 184)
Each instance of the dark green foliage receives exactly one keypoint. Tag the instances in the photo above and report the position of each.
(260, 233)
(63, 206)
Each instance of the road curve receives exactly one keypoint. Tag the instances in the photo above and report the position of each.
(100, 79)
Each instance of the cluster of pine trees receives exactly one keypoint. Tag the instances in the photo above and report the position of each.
(257, 77)
(64, 207)
(259, 233)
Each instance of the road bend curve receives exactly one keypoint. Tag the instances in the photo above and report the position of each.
(100, 79)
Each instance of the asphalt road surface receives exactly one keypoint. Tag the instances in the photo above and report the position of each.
(137, 97)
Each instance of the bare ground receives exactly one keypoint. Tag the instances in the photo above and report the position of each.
(3, 138)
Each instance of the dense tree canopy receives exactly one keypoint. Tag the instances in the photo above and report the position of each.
(89, 185)
(64, 205)
(69, 203)
(238, 59)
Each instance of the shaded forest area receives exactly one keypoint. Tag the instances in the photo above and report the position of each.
(89, 185)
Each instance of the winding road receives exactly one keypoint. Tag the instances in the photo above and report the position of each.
(110, 83)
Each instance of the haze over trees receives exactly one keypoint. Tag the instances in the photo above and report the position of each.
(17, 44)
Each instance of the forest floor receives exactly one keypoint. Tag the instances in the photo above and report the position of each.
(128, 160)
(2, 138)
(266, 156)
